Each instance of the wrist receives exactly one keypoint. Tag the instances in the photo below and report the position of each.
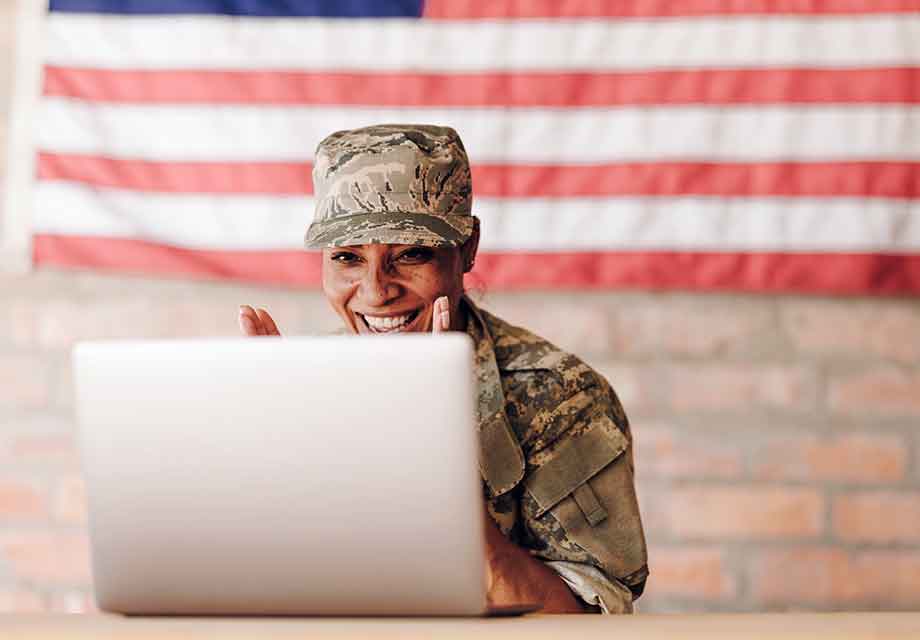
(518, 577)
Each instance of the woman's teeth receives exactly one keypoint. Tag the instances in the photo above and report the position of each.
(395, 323)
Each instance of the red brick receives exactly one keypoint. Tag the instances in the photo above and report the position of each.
(865, 458)
(57, 448)
(21, 502)
(880, 391)
(630, 385)
(143, 311)
(21, 601)
(689, 572)
(882, 328)
(46, 558)
(667, 451)
(7, 34)
(579, 325)
(691, 327)
(740, 387)
(833, 578)
(63, 397)
(751, 512)
(24, 382)
(889, 578)
(879, 517)
(58, 324)
(69, 502)
(798, 576)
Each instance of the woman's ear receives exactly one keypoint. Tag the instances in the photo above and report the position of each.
(470, 247)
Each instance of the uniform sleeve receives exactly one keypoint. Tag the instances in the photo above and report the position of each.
(579, 507)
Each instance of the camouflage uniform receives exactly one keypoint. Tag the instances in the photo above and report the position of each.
(555, 451)
(557, 463)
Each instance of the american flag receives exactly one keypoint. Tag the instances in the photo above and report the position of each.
(753, 145)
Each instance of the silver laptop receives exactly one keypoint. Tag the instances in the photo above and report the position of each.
(283, 476)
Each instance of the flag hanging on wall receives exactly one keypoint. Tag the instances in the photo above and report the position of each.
(749, 145)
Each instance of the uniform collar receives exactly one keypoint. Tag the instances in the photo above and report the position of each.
(501, 460)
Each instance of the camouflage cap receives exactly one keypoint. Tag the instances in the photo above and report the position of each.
(391, 184)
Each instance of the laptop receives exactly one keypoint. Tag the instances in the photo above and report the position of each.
(283, 476)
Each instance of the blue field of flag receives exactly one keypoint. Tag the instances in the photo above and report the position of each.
(261, 8)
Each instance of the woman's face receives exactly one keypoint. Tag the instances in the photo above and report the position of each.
(391, 288)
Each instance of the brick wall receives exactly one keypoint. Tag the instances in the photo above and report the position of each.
(776, 437)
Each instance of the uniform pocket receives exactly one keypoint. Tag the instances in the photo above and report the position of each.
(587, 486)
(573, 465)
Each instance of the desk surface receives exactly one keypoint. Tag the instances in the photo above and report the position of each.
(852, 626)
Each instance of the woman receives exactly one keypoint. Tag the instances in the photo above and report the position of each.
(394, 221)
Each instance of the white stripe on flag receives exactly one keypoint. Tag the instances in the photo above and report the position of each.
(246, 133)
(577, 224)
(213, 42)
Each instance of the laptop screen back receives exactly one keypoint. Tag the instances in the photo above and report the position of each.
(333, 476)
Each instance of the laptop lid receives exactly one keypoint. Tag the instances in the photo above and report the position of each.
(333, 476)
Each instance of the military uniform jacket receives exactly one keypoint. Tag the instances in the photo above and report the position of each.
(556, 460)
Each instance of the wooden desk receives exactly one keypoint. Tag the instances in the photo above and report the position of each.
(852, 626)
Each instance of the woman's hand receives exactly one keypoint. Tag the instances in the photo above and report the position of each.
(257, 322)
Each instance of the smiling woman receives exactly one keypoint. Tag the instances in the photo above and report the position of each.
(394, 221)
(389, 288)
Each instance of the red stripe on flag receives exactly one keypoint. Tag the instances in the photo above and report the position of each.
(298, 268)
(544, 89)
(840, 179)
(826, 273)
(755, 272)
(833, 179)
(498, 9)
(178, 177)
